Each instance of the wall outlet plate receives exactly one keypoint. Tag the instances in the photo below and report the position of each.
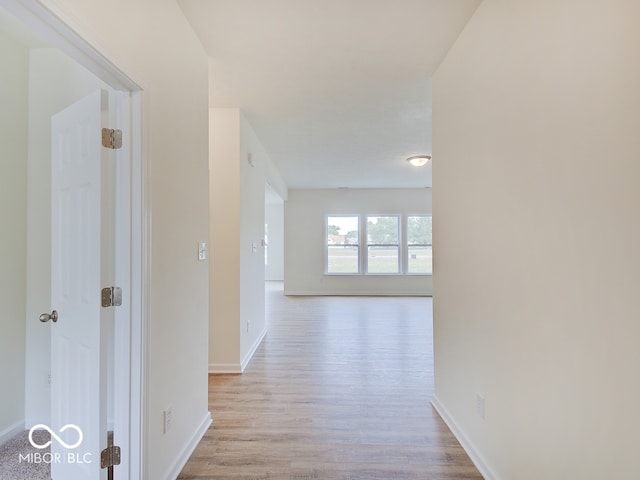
(202, 250)
(167, 420)
(480, 405)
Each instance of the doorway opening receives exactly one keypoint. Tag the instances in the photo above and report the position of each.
(41, 78)
(273, 235)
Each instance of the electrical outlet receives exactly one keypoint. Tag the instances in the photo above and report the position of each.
(480, 405)
(49, 378)
(168, 419)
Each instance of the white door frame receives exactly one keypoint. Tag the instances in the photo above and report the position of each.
(52, 26)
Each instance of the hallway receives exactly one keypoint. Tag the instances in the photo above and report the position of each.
(339, 389)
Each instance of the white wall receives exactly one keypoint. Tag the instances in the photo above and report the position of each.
(237, 225)
(536, 237)
(224, 283)
(252, 200)
(152, 42)
(305, 213)
(13, 205)
(274, 217)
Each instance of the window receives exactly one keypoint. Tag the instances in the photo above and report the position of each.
(383, 246)
(343, 244)
(419, 247)
(392, 244)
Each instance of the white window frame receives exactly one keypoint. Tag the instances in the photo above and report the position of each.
(363, 244)
(400, 270)
(326, 243)
(406, 243)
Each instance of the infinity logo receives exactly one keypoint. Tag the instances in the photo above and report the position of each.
(41, 426)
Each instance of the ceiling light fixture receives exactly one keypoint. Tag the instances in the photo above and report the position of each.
(419, 160)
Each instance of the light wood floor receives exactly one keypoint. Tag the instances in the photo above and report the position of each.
(339, 389)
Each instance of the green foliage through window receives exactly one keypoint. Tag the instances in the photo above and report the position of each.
(392, 244)
(419, 230)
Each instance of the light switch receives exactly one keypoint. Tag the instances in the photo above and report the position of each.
(202, 251)
(254, 247)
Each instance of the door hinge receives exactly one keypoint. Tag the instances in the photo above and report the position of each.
(111, 138)
(111, 297)
(110, 456)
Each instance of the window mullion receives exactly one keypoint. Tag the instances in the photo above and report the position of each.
(364, 246)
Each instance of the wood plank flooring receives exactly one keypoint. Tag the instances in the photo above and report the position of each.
(339, 389)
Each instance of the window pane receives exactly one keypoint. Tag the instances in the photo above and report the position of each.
(420, 259)
(343, 259)
(343, 251)
(383, 252)
(383, 260)
(419, 249)
(382, 230)
(419, 230)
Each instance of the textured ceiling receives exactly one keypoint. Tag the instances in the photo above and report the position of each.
(338, 91)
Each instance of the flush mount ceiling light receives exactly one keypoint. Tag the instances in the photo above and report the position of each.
(419, 160)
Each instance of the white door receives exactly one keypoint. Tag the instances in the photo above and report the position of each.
(80, 257)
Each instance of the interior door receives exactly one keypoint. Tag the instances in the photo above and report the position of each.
(80, 262)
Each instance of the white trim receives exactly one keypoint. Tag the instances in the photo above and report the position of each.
(326, 243)
(344, 293)
(62, 32)
(123, 278)
(189, 448)
(224, 368)
(401, 240)
(10, 432)
(247, 358)
(474, 454)
(236, 368)
(399, 275)
(406, 243)
(140, 281)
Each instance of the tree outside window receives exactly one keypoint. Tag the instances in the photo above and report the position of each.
(383, 246)
(342, 247)
(419, 244)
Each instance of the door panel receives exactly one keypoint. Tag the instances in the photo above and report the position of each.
(78, 357)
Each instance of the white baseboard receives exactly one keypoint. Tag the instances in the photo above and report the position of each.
(186, 452)
(11, 431)
(224, 368)
(252, 350)
(229, 368)
(337, 293)
(475, 456)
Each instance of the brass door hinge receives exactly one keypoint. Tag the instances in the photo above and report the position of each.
(111, 138)
(111, 297)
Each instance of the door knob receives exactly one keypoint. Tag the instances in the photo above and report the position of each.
(53, 316)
